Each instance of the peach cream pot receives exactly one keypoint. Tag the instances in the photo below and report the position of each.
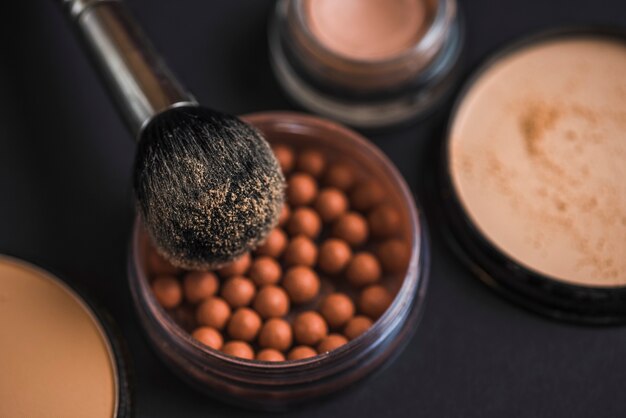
(367, 63)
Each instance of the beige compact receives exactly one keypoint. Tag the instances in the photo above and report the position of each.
(534, 171)
(56, 356)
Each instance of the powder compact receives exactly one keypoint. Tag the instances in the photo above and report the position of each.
(366, 63)
(58, 355)
(532, 174)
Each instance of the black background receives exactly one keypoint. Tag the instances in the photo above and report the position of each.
(66, 201)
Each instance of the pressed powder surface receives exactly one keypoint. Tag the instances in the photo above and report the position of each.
(538, 158)
(54, 359)
(366, 29)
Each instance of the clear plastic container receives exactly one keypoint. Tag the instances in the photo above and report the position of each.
(366, 93)
(258, 384)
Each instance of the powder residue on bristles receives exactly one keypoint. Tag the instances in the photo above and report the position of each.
(208, 186)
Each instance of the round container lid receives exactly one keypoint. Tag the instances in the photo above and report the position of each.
(57, 356)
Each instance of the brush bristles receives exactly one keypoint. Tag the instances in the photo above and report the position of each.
(208, 186)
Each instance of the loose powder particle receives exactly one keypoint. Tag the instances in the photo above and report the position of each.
(538, 158)
(534, 122)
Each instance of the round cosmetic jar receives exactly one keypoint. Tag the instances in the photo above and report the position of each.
(356, 77)
(266, 385)
(530, 175)
(60, 353)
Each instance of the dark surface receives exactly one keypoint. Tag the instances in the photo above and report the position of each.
(65, 200)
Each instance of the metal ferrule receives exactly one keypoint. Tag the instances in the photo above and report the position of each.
(138, 79)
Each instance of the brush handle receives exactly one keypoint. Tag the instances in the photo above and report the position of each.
(136, 76)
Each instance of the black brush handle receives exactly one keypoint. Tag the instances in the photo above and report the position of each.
(138, 79)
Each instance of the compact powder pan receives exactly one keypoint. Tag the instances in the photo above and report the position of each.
(58, 356)
(532, 174)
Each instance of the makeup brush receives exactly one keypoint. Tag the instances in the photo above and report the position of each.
(207, 185)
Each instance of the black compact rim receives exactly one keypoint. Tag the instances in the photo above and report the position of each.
(540, 293)
(120, 353)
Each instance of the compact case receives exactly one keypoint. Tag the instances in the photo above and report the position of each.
(51, 300)
(539, 292)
